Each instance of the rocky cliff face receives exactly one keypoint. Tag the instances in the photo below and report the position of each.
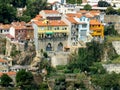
(2, 45)
(22, 54)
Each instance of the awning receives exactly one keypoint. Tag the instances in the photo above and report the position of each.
(67, 47)
(49, 33)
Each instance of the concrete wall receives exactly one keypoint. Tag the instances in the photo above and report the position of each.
(59, 59)
(42, 44)
(112, 68)
(116, 45)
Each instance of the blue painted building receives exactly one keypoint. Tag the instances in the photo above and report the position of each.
(83, 28)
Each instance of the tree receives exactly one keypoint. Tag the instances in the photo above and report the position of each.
(118, 11)
(97, 68)
(18, 3)
(7, 12)
(87, 56)
(24, 79)
(34, 6)
(107, 81)
(87, 7)
(24, 18)
(60, 83)
(110, 10)
(110, 30)
(5, 80)
(74, 1)
(103, 4)
(43, 86)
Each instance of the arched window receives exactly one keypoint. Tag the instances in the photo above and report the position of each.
(49, 47)
(60, 47)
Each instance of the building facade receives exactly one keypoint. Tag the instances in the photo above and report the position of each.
(97, 29)
(50, 35)
(20, 31)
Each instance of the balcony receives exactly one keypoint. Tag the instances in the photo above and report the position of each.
(52, 36)
(95, 28)
(52, 31)
(95, 33)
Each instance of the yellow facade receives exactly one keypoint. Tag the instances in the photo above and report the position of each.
(52, 29)
(97, 30)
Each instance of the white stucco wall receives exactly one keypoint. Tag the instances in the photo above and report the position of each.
(112, 68)
(116, 45)
(12, 31)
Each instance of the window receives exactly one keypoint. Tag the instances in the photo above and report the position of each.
(41, 28)
(57, 28)
(84, 25)
(83, 32)
(65, 28)
(49, 28)
(99, 31)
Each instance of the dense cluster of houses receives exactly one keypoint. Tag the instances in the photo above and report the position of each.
(54, 31)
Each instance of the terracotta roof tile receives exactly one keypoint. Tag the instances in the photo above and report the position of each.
(94, 22)
(51, 23)
(82, 11)
(11, 73)
(51, 11)
(89, 15)
(1, 60)
(21, 26)
(37, 18)
(5, 26)
(74, 15)
(72, 20)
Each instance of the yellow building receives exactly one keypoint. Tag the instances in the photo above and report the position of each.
(96, 28)
(52, 35)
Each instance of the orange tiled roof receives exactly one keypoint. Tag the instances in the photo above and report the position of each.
(95, 13)
(21, 26)
(38, 17)
(72, 20)
(11, 73)
(51, 11)
(8, 73)
(74, 15)
(82, 11)
(1, 60)
(5, 26)
(89, 15)
(51, 23)
(94, 22)
(18, 23)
